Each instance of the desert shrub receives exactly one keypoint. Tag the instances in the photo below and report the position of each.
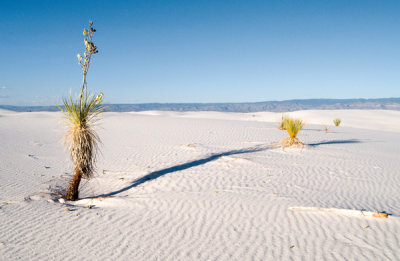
(293, 127)
(82, 112)
(282, 122)
(337, 122)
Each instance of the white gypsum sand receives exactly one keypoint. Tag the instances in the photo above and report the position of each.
(203, 186)
(347, 212)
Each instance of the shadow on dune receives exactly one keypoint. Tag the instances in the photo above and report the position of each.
(335, 142)
(156, 174)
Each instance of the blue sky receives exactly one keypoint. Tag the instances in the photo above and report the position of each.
(201, 51)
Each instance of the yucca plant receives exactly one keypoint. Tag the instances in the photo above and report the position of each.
(282, 122)
(293, 127)
(82, 112)
(337, 122)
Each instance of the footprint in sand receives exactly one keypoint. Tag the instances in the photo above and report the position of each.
(32, 156)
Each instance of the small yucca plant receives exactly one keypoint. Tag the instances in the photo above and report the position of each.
(293, 127)
(282, 122)
(337, 122)
(82, 112)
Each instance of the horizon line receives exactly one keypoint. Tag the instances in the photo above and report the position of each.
(265, 101)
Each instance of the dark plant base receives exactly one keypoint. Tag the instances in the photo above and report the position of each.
(73, 189)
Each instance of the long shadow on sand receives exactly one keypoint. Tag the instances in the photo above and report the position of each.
(335, 142)
(188, 165)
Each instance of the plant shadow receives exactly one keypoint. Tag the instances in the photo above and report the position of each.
(334, 142)
(156, 174)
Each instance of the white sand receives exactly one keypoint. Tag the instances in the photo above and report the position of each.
(217, 189)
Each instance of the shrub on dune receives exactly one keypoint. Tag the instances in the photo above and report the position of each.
(337, 122)
(293, 127)
(82, 112)
(82, 139)
(282, 122)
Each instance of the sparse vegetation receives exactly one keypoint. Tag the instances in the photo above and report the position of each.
(337, 122)
(282, 122)
(326, 128)
(82, 112)
(293, 127)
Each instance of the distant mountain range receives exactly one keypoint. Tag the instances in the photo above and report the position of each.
(273, 106)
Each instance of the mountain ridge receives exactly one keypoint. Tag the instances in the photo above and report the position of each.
(273, 106)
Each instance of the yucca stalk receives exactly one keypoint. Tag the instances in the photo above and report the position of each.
(293, 127)
(82, 112)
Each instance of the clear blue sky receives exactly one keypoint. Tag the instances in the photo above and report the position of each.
(201, 51)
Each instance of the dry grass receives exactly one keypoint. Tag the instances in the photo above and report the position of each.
(293, 127)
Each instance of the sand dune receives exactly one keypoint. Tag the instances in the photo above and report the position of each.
(203, 186)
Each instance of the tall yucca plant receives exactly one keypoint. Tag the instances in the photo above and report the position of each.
(293, 127)
(82, 112)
